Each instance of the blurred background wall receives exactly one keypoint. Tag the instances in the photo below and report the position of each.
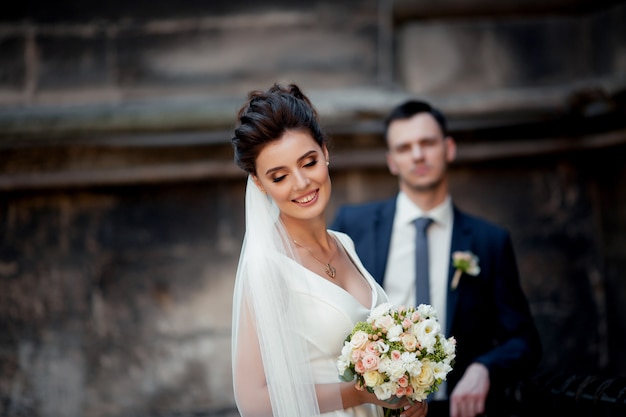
(121, 211)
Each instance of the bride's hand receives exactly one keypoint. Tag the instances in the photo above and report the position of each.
(408, 408)
(393, 403)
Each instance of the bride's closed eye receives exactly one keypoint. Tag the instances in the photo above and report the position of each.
(309, 164)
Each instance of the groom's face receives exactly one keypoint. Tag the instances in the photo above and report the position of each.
(419, 153)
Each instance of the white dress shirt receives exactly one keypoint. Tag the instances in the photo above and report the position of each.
(399, 280)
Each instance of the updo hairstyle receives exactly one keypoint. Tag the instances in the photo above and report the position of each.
(266, 116)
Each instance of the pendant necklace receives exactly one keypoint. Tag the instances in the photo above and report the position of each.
(330, 270)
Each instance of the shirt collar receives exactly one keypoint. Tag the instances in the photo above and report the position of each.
(407, 211)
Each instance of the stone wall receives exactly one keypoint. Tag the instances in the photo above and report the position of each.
(116, 301)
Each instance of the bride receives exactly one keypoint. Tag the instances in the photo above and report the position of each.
(300, 288)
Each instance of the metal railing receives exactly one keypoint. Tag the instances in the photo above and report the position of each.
(572, 396)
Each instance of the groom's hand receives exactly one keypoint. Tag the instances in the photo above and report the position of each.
(469, 396)
(417, 409)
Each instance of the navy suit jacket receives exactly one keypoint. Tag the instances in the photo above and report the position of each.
(487, 314)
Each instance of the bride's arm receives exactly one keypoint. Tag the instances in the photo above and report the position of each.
(250, 385)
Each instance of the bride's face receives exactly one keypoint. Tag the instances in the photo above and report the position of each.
(292, 170)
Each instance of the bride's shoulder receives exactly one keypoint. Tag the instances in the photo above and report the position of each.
(344, 239)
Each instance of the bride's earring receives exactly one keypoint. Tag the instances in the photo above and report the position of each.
(327, 163)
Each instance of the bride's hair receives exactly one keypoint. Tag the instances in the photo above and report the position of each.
(266, 116)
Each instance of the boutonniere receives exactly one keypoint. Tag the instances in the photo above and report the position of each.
(464, 262)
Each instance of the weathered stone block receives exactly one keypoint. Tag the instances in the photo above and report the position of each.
(474, 56)
(327, 49)
(12, 63)
(608, 39)
(72, 62)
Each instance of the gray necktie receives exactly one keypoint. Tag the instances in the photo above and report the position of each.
(422, 284)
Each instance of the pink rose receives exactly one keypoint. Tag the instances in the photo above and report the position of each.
(409, 342)
(359, 368)
(371, 347)
(370, 361)
(396, 355)
(386, 322)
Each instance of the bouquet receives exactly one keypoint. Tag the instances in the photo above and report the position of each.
(397, 352)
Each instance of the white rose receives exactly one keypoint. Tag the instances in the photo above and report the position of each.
(359, 339)
(393, 334)
(441, 370)
(449, 347)
(384, 322)
(408, 358)
(427, 311)
(342, 366)
(426, 332)
(385, 390)
(344, 359)
(409, 342)
(383, 366)
(379, 311)
(346, 350)
(394, 369)
(426, 377)
(413, 367)
(419, 395)
(373, 378)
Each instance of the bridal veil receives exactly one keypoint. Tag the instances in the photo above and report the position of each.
(267, 321)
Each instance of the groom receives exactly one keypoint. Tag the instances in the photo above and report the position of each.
(487, 313)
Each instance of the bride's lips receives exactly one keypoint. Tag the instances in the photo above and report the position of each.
(307, 199)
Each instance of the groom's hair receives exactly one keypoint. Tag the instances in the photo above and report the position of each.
(410, 108)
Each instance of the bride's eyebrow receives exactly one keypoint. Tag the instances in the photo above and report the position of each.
(306, 155)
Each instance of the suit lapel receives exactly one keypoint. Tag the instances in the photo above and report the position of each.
(461, 241)
(382, 237)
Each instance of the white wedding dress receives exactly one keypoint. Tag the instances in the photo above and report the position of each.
(330, 315)
(290, 324)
